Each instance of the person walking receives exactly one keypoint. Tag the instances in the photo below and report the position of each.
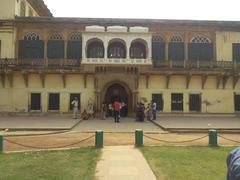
(154, 109)
(75, 108)
(117, 107)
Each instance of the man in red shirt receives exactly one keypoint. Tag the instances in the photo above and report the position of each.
(117, 107)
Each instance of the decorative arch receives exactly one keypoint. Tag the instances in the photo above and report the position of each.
(75, 36)
(74, 45)
(176, 39)
(138, 49)
(158, 48)
(56, 36)
(200, 39)
(55, 46)
(122, 84)
(200, 48)
(95, 48)
(31, 47)
(158, 38)
(176, 48)
(116, 48)
(22, 9)
(31, 36)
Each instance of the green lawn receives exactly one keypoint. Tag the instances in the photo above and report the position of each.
(187, 163)
(50, 165)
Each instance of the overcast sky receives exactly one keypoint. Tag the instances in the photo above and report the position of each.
(147, 9)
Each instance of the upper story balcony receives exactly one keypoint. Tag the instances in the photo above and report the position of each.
(55, 65)
(39, 64)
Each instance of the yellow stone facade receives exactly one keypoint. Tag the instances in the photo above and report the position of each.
(216, 86)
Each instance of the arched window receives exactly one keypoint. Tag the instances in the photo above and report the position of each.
(176, 48)
(158, 48)
(200, 48)
(31, 47)
(74, 46)
(138, 50)
(116, 49)
(176, 39)
(95, 49)
(200, 39)
(55, 46)
(22, 9)
(31, 36)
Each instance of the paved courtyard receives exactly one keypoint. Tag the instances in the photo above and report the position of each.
(200, 122)
(169, 122)
(108, 125)
(37, 122)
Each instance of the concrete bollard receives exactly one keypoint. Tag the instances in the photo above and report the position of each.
(138, 138)
(1, 143)
(99, 139)
(213, 138)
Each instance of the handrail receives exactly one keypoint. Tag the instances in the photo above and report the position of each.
(39, 63)
(9, 63)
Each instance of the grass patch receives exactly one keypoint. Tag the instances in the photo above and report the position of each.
(183, 163)
(51, 165)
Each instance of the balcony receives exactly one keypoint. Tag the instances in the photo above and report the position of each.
(39, 64)
(73, 64)
(197, 65)
(117, 61)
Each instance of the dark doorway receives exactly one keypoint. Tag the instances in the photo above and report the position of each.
(53, 101)
(195, 102)
(237, 102)
(117, 92)
(35, 101)
(177, 102)
(72, 96)
(157, 98)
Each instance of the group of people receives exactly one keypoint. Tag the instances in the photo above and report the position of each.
(86, 114)
(116, 109)
(149, 112)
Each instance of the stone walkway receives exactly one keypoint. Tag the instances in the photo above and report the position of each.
(123, 163)
(108, 125)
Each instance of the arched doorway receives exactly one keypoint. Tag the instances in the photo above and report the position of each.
(120, 92)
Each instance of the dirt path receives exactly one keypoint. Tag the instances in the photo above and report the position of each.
(110, 139)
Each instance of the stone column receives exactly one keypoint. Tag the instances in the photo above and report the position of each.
(65, 49)
(186, 40)
(45, 51)
(97, 103)
(166, 51)
(105, 49)
(135, 100)
(128, 45)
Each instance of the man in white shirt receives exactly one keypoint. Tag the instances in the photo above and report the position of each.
(75, 108)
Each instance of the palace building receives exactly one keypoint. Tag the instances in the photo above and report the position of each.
(185, 66)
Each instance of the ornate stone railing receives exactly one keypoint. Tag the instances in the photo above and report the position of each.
(123, 61)
(197, 65)
(55, 64)
(40, 63)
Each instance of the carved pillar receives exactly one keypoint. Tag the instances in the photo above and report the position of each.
(65, 49)
(166, 51)
(45, 51)
(97, 103)
(128, 45)
(105, 49)
(135, 100)
(186, 40)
